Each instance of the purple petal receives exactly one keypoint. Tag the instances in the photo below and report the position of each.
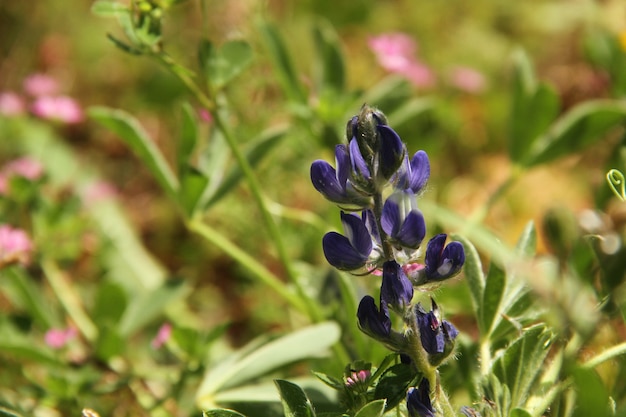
(357, 234)
(390, 219)
(434, 251)
(418, 400)
(324, 179)
(358, 163)
(340, 253)
(342, 162)
(413, 230)
(371, 320)
(420, 171)
(391, 151)
(396, 289)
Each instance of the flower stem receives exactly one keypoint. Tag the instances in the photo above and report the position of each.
(210, 104)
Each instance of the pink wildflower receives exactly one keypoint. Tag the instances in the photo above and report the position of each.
(57, 338)
(11, 104)
(38, 85)
(25, 167)
(205, 115)
(15, 246)
(97, 191)
(395, 52)
(468, 80)
(59, 108)
(162, 336)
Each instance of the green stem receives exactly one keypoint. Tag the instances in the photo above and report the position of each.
(247, 261)
(251, 179)
(610, 353)
(69, 299)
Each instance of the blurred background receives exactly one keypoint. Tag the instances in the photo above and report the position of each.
(459, 113)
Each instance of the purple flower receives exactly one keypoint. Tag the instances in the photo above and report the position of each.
(443, 262)
(373, 322)
(414, 175)
(402, 221)
(418, 400)
(348, 252)
(396, 290)
(437, 336)
(335, 185)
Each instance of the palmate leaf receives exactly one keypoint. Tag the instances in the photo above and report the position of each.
(522, 361)
(295, 402)
(373, 409)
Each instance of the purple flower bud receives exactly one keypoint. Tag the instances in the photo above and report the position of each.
(348, 252)
(418, 400)
(392, 151)
(402, 221)
(437, 336)
(443, 262)
(335, 185)
(396, 290)
(373, 322)
(414, 175)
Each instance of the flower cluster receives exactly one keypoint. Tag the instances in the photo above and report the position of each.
(376, 184)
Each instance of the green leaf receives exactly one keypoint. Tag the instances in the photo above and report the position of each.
(255, 153)
(373, 409)
(518, 412)
(330, 380)
(257, 361)
(188, 136)
(222, 65)
(133, 134)
(592, 396)
(221, 412)
(149, 305)
(107, 8)
(522, 361)
(474, 275)
(193, 184)
(110, 303)
(109, 344)
(295, 402)
(582, 126)
(331, 59)
(20, 289)
(490, 310)
(527, 242)
(5, 412)
(282, 62)
(393, 384)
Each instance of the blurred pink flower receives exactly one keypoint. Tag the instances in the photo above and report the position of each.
(467, 79)
(26, 167)
(59, 108)
(15, 246)
(22, 167)
(38, 85)
(11, 104)
(395, 52)
(57, 338)
(205, 115)
(97, 191)
(162, 336)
